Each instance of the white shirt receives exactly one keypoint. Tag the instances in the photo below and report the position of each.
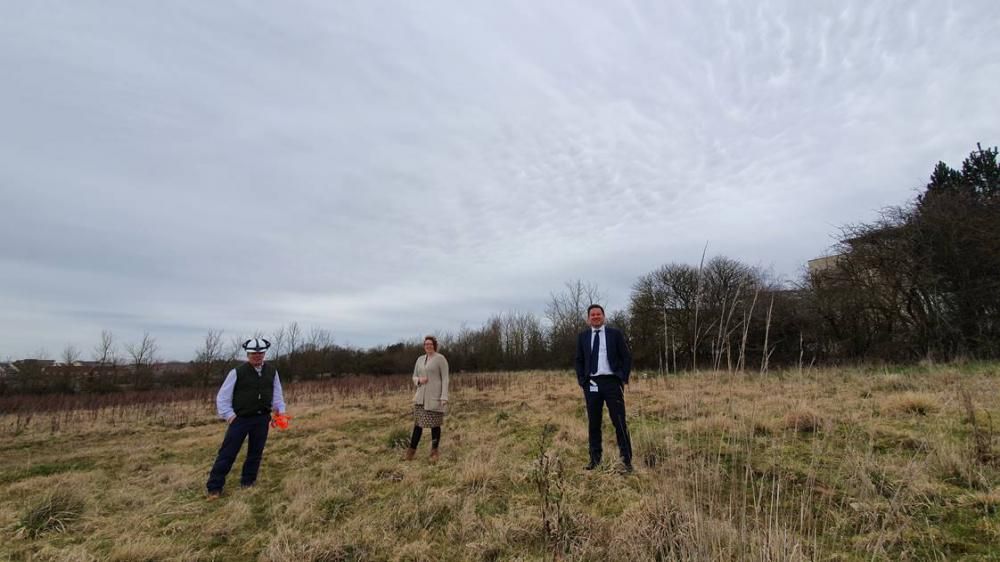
(603, 367)
(224, 399)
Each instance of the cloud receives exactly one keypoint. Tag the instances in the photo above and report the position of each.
(380, 171)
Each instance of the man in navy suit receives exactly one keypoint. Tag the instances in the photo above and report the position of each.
(603, 363)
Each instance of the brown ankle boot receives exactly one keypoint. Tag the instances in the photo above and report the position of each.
(434, 455)
(410, 453)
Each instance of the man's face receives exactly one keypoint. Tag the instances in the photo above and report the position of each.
(255, 358)
(596, 317)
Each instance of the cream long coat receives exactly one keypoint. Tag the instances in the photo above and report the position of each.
(435, 390)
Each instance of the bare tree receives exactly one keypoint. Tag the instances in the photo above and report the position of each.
(105, 352)
(566, 312)
(747, 316)
(319, 338)
(277, 344)
(210, 357)
(662, 303)
(519, 337)
(697, 307)
(570, 306)
(235, 349)
(767, 332)
(106, 357)
(142, 355)
(294, 335)
(70, 355)
(726, 282)
(64, 378)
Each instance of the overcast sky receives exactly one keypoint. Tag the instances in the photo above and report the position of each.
(388, 169)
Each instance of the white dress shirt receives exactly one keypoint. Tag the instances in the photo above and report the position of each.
(603, 367)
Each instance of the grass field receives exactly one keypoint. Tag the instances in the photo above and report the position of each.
(825, 464)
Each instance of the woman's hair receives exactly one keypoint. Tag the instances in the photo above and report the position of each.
(433, 340)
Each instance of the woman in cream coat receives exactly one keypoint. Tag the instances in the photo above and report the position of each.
(430, 374)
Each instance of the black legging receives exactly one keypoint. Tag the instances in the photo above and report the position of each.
(418, 431)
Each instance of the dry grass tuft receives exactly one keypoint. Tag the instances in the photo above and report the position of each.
(660, 528)
(288, 544)
(894, 383)
(987, 501)
(664, 526)
(54, 511)
(652, 445)
(478, 473)
(333, 507)
(913, 403)
(149, 550)
(239, 514)
(421, 509)
(982, 436)
(76, 553)
(952, 463)
(761, 429)
(712, 424)
(398, 439)
(803, 420)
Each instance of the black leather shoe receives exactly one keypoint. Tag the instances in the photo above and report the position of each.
(593, 464)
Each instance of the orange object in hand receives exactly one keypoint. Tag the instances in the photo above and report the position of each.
(280, 421)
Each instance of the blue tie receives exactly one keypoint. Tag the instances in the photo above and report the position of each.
(595, 349)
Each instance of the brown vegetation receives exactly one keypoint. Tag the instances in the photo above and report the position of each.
(828, 464)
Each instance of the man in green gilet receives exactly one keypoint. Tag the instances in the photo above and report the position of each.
(246, 399)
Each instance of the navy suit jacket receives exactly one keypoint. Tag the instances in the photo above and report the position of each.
(619, 356)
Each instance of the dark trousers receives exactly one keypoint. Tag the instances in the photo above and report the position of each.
(254, 427)
(418, 431)
(609, 390)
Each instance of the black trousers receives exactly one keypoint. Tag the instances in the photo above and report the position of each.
(252, 427)
(610, 391)
(418, 431)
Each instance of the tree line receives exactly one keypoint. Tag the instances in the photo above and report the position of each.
(922, 281)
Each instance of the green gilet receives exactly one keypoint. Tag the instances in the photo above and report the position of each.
(253, 393)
